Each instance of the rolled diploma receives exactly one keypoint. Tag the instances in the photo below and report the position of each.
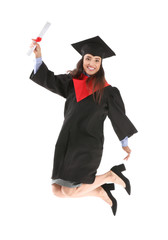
(41, 34)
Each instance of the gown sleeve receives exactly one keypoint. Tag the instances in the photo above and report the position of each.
(116, 112)
(58, 84)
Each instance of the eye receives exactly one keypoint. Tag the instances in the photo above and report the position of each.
(97, 60)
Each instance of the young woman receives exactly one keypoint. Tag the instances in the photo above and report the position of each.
(79, 147)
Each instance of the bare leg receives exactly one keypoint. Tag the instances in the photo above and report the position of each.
(98, 192)
(57, 191)
(99, 180)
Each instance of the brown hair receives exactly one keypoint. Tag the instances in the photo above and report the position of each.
(98, 79)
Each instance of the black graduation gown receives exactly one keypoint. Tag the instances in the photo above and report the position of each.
(79, 146)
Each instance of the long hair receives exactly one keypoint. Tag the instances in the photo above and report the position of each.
(98, 79)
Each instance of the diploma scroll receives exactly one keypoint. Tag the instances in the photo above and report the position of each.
(39, 38)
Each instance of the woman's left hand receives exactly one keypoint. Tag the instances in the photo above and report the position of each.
(128, 150)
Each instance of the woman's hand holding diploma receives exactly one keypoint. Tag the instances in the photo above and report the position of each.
(37, 50)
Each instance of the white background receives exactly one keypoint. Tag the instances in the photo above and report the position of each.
(31, 118)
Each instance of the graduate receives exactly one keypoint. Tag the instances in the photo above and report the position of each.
(89, 100)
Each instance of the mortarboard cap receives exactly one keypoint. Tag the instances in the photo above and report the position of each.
(95, 46)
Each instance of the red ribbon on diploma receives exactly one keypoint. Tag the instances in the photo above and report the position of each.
(38, 39)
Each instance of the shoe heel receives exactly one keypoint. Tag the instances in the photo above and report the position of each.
(121, 167)
(111, 186)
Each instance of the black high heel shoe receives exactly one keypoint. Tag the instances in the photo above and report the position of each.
(117, 170)
(108, 188)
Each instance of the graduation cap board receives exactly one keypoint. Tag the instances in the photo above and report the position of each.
(95, 46)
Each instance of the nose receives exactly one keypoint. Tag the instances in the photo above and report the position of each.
(92, 64)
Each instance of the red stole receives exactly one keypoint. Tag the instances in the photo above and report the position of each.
(81, 89)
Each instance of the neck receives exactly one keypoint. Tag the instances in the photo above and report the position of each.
(86, 73)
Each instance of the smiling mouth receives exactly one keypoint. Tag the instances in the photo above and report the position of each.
(91, 69)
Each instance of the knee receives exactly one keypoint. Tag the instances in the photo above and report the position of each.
(69, 192)
(55, 189)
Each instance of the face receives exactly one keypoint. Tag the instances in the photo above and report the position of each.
(91, 64)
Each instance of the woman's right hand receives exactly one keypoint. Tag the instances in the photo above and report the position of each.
(128, 150)
(37, 50)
